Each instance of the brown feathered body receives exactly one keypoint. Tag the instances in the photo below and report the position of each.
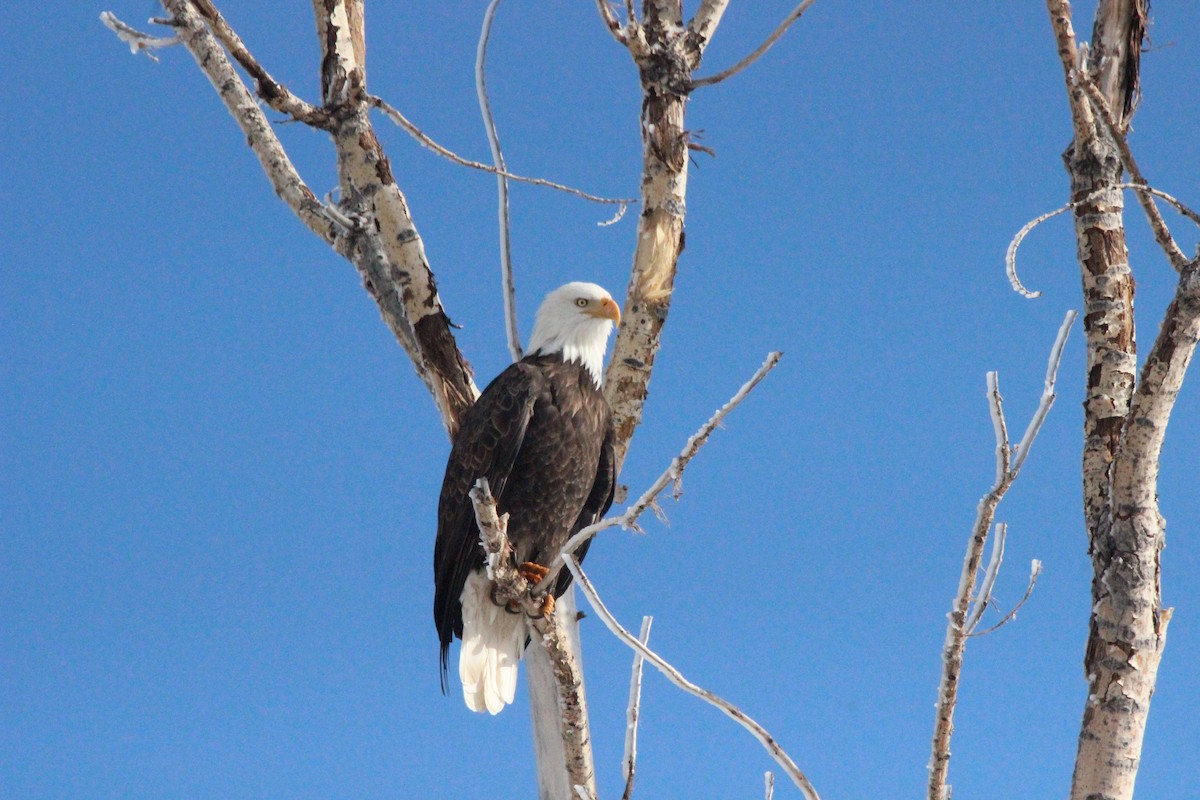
(542, 435)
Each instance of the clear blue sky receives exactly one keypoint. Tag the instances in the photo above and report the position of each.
(220, 473)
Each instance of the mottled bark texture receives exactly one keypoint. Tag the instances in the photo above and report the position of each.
(1125, 415)
(666, 53)
(385, 244)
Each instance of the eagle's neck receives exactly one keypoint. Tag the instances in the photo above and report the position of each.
(584, 347)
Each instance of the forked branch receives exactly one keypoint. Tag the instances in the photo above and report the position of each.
(959, 624)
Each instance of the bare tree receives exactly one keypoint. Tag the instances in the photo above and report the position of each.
(372, 226)
(1125, 414)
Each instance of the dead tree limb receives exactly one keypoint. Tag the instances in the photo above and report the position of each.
(1009, 460)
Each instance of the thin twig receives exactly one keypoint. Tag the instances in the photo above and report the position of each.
(1035, 569)
(999, 426)
(956, 627)
(412, 130)
(769, 783)
(797, 12)
(989, 578)
(677, 678)
(1157, 224)
(138, 42)
(1047, 399)
(507, 288)
(674, 473)
(633, 712)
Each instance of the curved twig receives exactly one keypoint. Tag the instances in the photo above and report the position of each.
(1010, 256)
(138, 41)
(1035, 569)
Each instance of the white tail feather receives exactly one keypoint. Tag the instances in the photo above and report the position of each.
(492, 643)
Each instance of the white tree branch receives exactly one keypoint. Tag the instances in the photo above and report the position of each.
(984, 596)
(511, 587)
(707, 18)
(1035, 569)
(138, 41)
(610, 21)
(957, 628)
(507, 288)
(1047, 399)
(676, 677)
(633, 711)
(673, 475)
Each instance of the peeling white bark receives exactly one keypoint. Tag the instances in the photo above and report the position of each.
(1125, 419)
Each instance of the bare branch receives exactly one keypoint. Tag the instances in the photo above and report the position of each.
(957, 627)
(769, 784)
(507, 289)
(285, 180)
(611, 23)
(399, 277)
(633, 712)
(708, 17)
(511, 587)
(412, 130)
(1068, 54)
(138, 42)
(674, 472)
(274, 93)
(1010, 257)
(999, 426)
(984, 597)
(796, 13)
(1035, 569)
(1047, 399)
(1157, 224)
(677, 678)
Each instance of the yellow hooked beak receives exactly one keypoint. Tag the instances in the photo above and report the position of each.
(606, 309)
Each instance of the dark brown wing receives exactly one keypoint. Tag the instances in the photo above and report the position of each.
(599, 500)
(489, 438)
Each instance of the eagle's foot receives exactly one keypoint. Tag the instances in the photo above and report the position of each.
(532, 572)
(547, 606)
(511, 606)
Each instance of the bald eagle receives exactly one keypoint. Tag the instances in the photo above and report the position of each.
(542, 434)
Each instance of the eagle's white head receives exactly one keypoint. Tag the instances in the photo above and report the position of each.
(575, 320)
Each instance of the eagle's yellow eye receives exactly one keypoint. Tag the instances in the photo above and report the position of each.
(581, 302)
